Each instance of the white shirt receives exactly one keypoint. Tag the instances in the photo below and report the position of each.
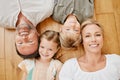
(28, 64)
(35, 11)
(72, 71)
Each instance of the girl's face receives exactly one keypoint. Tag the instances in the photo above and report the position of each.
(47, 49)
(92, 38)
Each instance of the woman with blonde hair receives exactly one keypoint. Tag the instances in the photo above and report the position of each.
(93, 65)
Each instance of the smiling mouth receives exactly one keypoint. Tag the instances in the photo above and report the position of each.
(94, 45)
(24, 33)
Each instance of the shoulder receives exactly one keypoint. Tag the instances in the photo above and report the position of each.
(70, 63)
(26, 65)
(57, 62)
(113, 56)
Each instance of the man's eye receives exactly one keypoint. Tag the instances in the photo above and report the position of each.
(19, 42)
(30, 41)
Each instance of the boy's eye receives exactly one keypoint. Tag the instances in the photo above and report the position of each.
(67, 29)
(76, 30)
(30, 41)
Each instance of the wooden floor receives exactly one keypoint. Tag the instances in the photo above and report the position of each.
(107, 12)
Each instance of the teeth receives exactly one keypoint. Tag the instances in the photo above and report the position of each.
(23, 33)
(93, 45)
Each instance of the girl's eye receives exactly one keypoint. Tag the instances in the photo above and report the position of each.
(42, 46)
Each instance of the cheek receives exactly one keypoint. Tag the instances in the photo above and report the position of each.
(40, 50)
(85, 41)
(101, 41)
(17, 38)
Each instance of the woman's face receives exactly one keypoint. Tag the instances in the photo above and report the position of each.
(92, 38)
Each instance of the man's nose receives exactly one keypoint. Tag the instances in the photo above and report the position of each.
(25, 38)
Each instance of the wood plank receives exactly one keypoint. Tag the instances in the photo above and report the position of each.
(110, 33)
(104, 6)
(2, 69)
(1, 42)
(12, 59)
(48, 24)
(116, 4)
(117, 19)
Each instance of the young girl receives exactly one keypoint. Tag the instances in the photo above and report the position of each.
(43, 67)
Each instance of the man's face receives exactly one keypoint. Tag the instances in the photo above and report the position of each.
(26, 39)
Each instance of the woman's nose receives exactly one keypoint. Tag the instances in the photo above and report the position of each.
(93, 38)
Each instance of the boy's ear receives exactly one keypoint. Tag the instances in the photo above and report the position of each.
(57, 49)
(60, 28)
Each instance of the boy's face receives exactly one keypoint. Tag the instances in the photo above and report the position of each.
(71, 25)
(26, 39)
(47, 49)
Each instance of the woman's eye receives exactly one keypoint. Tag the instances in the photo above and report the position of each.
(98, 34)
(87, 36)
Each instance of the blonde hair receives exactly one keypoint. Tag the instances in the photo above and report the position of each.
(69, 41)
(89, 22)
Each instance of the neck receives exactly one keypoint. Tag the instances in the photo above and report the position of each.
(93, 57)
(45, 61)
